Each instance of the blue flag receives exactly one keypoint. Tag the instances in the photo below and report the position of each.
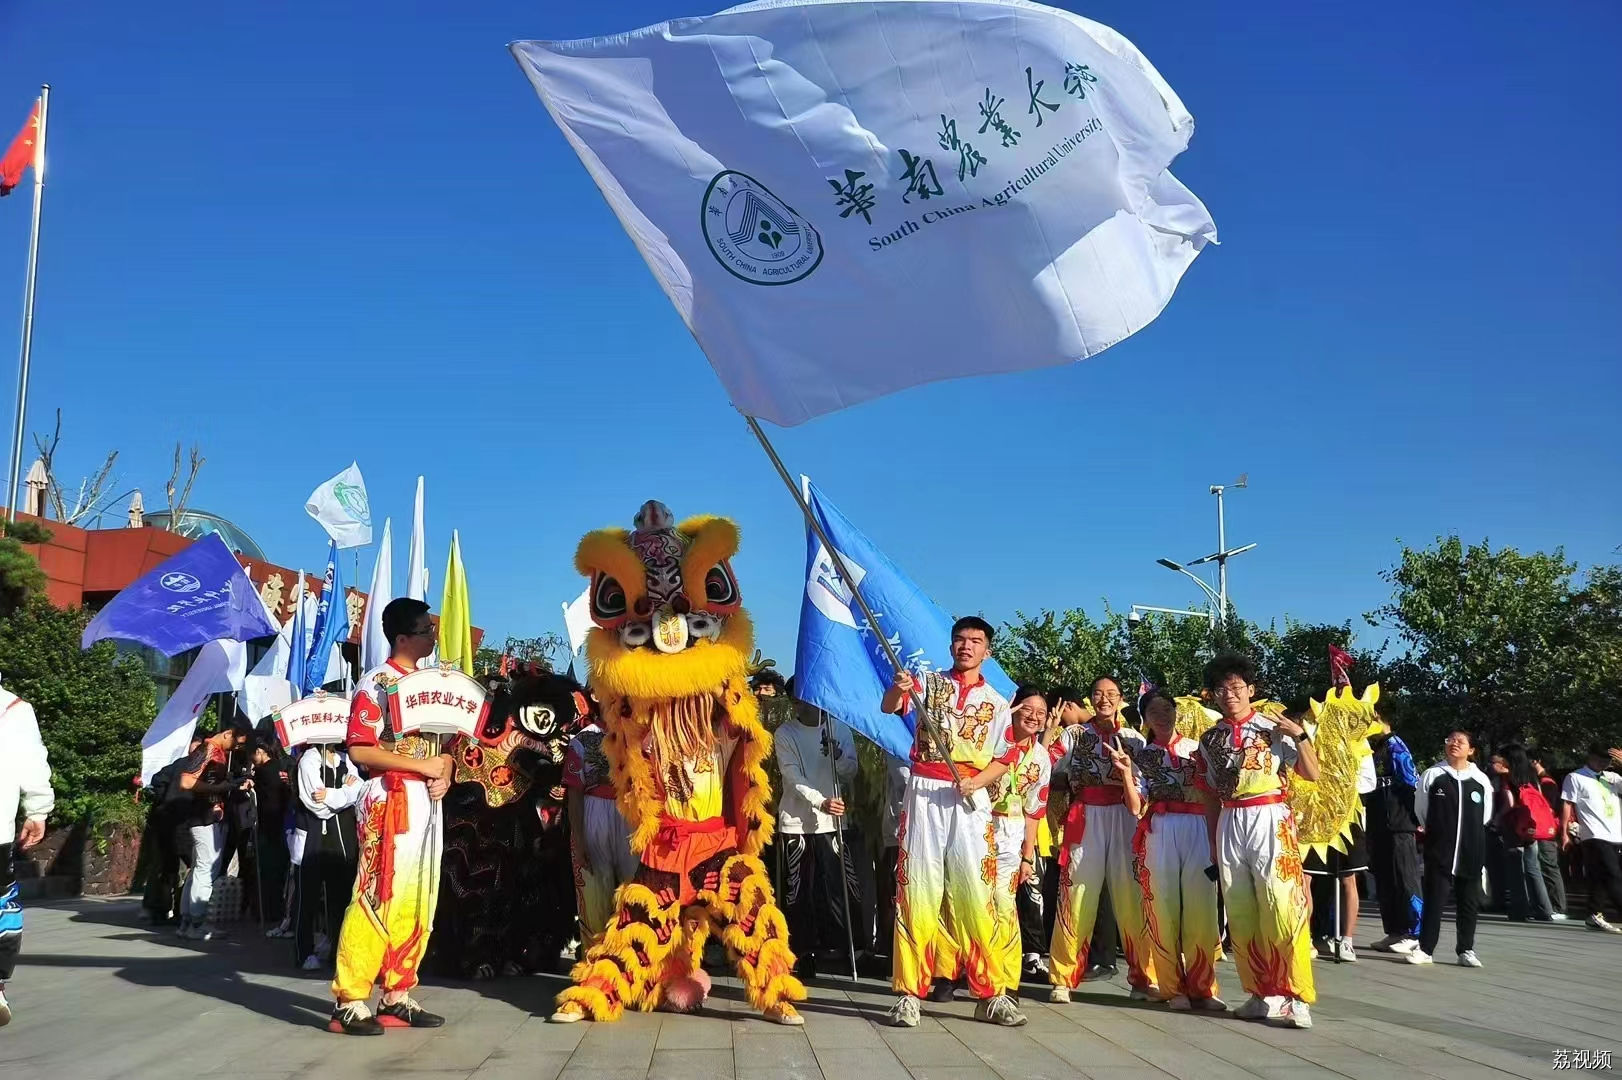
(840, 665)
(298, 640)
(190, 599)
(331, 624)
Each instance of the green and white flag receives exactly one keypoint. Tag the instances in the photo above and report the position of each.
(844, 198)
(341, 507)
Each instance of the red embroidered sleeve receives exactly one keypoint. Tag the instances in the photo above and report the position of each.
(365, 721)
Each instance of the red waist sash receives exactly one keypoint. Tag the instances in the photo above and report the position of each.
(1253, 800)
(1075, 819)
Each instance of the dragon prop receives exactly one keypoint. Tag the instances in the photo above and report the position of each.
(1326, 809)
(670, 656)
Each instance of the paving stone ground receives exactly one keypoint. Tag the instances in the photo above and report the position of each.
(98, 995)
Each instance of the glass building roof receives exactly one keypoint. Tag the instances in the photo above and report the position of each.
(197, 524)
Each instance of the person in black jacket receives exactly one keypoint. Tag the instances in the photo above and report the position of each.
(1394, 851)
(1453, 803)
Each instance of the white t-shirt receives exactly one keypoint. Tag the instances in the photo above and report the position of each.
(1593, 799)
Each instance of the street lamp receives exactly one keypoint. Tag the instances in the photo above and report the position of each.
(1221, 555)
(1169, 565)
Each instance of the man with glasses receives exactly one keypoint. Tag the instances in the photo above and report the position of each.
(385, 930)
(1095, 766)
(1242, 762)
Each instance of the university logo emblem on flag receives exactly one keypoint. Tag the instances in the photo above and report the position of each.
(755, 235)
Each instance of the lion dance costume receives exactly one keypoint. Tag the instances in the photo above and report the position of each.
(670, 666)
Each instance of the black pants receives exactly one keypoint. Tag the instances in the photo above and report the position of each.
(1394, 859)
(162, 893)
(11, 917)
(1466, 887)
(884, 943)
(1028, 902)
(326, 883)
(817, 885)
(1604, 874)
(1554, 882)
(270, 849)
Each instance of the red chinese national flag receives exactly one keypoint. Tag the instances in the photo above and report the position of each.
(20, 154)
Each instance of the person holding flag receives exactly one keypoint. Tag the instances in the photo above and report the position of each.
(947, 864)
(1018, 807)
(385, 931)
(1096, 846)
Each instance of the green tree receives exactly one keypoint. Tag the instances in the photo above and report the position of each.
(537, 650)
(1294, 663)
(93, 704)
(1168, 651)
(1054, 648)
(20, 573)
(1505, 645)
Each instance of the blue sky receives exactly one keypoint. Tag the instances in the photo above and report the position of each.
(300, 234)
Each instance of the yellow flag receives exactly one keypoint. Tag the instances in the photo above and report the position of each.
(456, 614)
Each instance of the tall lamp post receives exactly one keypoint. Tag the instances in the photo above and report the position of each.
(1220, 556)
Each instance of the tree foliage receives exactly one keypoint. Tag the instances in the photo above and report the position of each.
(93, 704)
(20, 573)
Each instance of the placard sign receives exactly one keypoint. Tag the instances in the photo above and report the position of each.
(321, 718)
(437, 701)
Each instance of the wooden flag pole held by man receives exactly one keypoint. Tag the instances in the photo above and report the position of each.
(33, 133)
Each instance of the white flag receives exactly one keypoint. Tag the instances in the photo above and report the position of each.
(417, 568)
(341, 507)
(577, 620)
(374, 644)
(844, 199)
(218, 668)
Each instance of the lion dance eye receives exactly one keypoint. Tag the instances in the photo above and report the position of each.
(719, 588)
(608, 598)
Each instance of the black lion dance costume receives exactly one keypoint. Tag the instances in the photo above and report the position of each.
(506, 903)
(670, 667)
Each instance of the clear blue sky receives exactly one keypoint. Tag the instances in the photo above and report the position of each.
(299, 234)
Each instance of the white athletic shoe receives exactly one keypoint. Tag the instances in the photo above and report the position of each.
(1059, 995)
(1348, 951)
(1559, 916)
(1468, 958)
(1598, 922)
(1385, 944)
(1406, 945)
(1417, 955)
(1210, 1004)
(1139, 994)
(1295, 1014)
(312, 963)
(999, 1010)
(5, 1008)
(905, 1013)
(1180, 1003)
(1255, 1008)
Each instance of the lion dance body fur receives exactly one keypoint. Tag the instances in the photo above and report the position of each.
(670, 665)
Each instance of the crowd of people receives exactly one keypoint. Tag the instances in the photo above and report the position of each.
(1036, 839)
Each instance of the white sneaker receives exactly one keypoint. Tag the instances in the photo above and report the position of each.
(1406, 945)
(1210, 1004)
(1322, 947)
(1139, 994)
(1559, 916)
(1597, 922)
(1059, 995)
(1295, 1014)
(1348, 951)
(1255, 1008)
(1419, 956)
(999, 1010)
(1385, 943)
(5, 1008)
(1180, 1003)
(905, 1013)
(312, 963)
(1468, 958)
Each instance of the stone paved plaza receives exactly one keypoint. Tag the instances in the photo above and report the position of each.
(98, 995)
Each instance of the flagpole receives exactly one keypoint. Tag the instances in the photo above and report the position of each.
(28, 308)
(844, 573)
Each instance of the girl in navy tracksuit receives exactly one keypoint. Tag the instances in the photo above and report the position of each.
(1453, 802)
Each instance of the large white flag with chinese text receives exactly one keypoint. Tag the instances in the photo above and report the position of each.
(844, 199)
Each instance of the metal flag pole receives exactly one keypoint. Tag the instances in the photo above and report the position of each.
(829, 746)
(28, 307)
(924, 719)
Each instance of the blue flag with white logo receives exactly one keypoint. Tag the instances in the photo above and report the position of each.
(840, 665)
(331, 623)
(197, 596)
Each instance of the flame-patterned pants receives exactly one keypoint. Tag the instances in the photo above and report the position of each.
(1103, 856)
(608, 850)
(1180, 903)
(946, 877)
(385, 931)
(1259, 860)
(1006, 940)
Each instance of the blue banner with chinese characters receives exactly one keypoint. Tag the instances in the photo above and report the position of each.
(197, 596)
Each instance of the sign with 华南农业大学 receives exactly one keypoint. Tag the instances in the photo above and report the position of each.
(844, 198)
